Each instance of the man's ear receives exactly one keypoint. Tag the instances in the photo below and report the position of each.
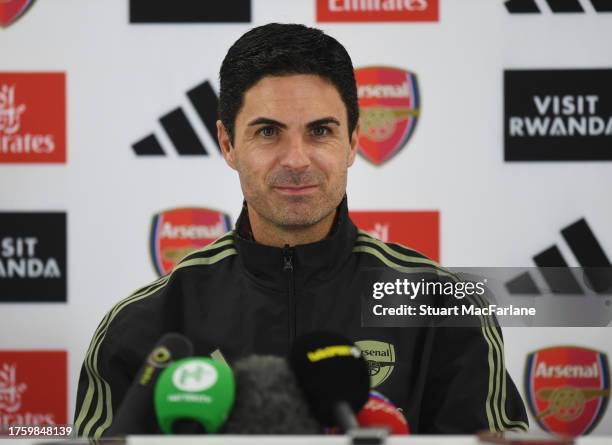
(226, 145)
(354, 145)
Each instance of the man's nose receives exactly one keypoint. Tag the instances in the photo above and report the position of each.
(295, 155)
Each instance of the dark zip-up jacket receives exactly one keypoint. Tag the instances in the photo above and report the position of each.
(243, 298)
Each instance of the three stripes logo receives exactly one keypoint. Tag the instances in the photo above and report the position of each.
(180, 130)
(557, 6)
(189, 11)
(556, 272)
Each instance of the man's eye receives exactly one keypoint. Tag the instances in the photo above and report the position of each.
(320, 131)
(268, 131)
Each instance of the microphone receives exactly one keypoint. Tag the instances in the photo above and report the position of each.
(268, 399)
(334, 376)
(135, 414)
(379, 412)
(378, 395)
(194, 396)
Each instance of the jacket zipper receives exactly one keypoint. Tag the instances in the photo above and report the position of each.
(288, 270)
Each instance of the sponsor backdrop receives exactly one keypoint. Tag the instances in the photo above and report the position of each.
(487, 141)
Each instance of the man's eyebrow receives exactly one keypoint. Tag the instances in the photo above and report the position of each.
(312, 124)
(323, 121)
(266, 121)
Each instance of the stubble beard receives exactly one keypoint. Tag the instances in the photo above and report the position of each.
(296, 212)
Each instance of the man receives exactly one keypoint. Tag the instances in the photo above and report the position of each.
(289, 127)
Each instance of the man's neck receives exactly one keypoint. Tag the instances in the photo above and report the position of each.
(266, 233)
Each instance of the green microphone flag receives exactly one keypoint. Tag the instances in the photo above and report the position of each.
(197, 390)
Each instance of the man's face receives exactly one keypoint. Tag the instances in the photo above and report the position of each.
(291, 149)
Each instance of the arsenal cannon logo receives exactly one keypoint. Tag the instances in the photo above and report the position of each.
(567, 388)
(11, 10)
(389, 106)
(381, 359)
(176, 233)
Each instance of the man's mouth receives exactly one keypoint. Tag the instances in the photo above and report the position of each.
(297, 190)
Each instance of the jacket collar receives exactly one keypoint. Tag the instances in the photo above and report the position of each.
(311, 263)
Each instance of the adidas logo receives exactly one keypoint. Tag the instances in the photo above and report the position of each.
(556, 272)
(180, 131)
(189, 11)
(557, 6)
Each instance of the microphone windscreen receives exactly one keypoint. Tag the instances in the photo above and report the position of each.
(380, 412)
(136, 414)
(330, 369)
(268, 399)
(194, 395)
(378, 395)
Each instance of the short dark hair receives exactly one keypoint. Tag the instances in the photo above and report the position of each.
(279, 49)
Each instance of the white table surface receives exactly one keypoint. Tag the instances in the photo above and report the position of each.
(299, 440)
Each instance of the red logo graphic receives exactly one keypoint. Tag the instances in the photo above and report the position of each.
(377, 10)
(33, 388)
(417, 230)
(32, 117)
(389, 105)
(178, 232)
(568, 388)
(11, 10)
